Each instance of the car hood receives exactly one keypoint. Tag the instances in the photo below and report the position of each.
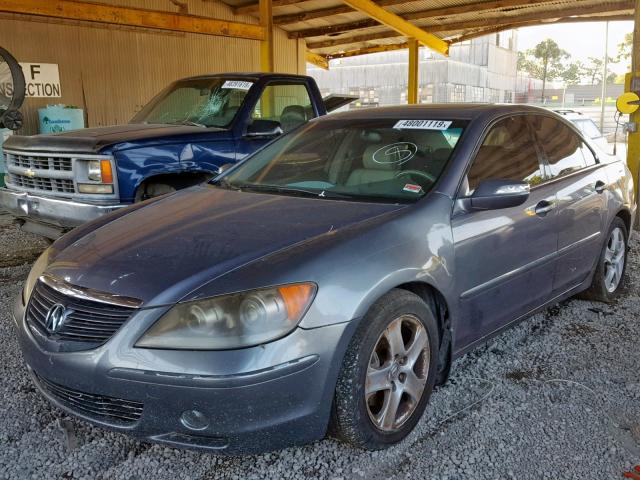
(93, 140)
(161, 252)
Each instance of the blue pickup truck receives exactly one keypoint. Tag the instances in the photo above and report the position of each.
(186, 135)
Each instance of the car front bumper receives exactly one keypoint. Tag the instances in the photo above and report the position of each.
(252, 400)
(62, 213)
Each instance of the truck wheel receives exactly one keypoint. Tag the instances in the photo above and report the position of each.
(152, 190)
(388, 373)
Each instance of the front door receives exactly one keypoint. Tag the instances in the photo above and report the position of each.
(580, 182)
(287, 103)
(504, 259)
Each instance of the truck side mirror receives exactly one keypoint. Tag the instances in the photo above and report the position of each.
(264, 128)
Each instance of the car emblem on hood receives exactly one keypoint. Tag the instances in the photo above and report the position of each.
(56, 317)
(30, 173)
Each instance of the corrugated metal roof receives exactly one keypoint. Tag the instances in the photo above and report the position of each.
(330, 27)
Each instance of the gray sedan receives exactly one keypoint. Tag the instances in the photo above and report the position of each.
(327, 282)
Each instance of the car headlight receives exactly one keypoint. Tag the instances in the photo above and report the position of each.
(231, 321)
(36, 271)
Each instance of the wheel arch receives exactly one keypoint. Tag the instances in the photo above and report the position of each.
(625, 215)
(178, 180)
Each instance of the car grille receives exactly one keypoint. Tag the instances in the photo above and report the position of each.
(41, 172)
(39, 161)
(99, 407)
(62, 185)
(89, 321)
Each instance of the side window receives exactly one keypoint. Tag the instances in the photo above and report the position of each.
(289, 104)
(561, 145)
(508, 152)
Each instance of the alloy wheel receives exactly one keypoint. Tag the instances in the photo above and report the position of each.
(614, 258)
(397, 373)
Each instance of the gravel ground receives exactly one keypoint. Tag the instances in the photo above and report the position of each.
(557, 397)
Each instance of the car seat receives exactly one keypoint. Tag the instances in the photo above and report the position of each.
(292, 117)
(373, 169)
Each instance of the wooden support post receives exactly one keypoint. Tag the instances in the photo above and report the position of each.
(414, 71)
(633, 144)
(266, 46)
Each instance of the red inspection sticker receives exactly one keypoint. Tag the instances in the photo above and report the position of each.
(409, 187)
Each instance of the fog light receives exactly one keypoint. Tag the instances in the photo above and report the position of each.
(90, 188)
(194, 420)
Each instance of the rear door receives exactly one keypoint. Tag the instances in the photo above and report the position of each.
(580, 182)
(504, 259)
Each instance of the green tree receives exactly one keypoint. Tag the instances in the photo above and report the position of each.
(572, 74)
(544, 61)
(624, 49)
(593, 70)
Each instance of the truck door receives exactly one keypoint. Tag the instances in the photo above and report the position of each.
(282, 107)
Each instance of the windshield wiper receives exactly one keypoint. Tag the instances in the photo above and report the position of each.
(188, 122)
(294, 190)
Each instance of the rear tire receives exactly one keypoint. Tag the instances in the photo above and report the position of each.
(388, 372)
(612, 265)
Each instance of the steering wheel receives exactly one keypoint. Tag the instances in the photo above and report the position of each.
(418, 173)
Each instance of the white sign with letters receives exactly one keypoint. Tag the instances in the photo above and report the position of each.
(42, 80)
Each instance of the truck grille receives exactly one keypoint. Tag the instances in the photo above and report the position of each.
(39, 161)
(89, 322)
(100, 407)
(62, 185)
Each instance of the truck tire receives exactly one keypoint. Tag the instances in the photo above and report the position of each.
(151, 190)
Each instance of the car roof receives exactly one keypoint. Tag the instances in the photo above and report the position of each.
(457, 111)
(247, 75)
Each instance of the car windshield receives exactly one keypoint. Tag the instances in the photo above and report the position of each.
(204, 102)
(588, 128)
(367, 160)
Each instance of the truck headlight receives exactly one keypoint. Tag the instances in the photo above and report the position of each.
(36, 271)
(231, 321)
(100, 171)
(94, 173)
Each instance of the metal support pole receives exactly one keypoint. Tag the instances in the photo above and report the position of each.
(414, 71)
(633, 145)
(266, 46)
(605, 67)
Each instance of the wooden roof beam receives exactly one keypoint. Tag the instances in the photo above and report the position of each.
(399, 24)
(133, 17)
(317, 60)
(254, 8)
(421, 15)
(484, 22)
(502, 28)
(329, 12)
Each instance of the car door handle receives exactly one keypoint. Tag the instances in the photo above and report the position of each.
(600, 186)
(543, 207)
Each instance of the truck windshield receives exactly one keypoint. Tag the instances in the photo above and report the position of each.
(388, 160)
(204, 102)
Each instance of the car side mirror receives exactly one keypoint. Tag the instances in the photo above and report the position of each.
(264, 128)
(494, 194)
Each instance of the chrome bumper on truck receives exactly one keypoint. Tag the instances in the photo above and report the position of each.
(61, 213)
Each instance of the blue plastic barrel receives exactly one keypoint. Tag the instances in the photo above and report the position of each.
(60, 118)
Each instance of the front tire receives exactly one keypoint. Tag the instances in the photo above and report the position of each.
(388, 372)
(612, 264)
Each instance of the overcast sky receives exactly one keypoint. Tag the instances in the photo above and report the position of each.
(581, 40)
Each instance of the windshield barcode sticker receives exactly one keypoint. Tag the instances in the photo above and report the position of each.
(423, 124)
(237, 84)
